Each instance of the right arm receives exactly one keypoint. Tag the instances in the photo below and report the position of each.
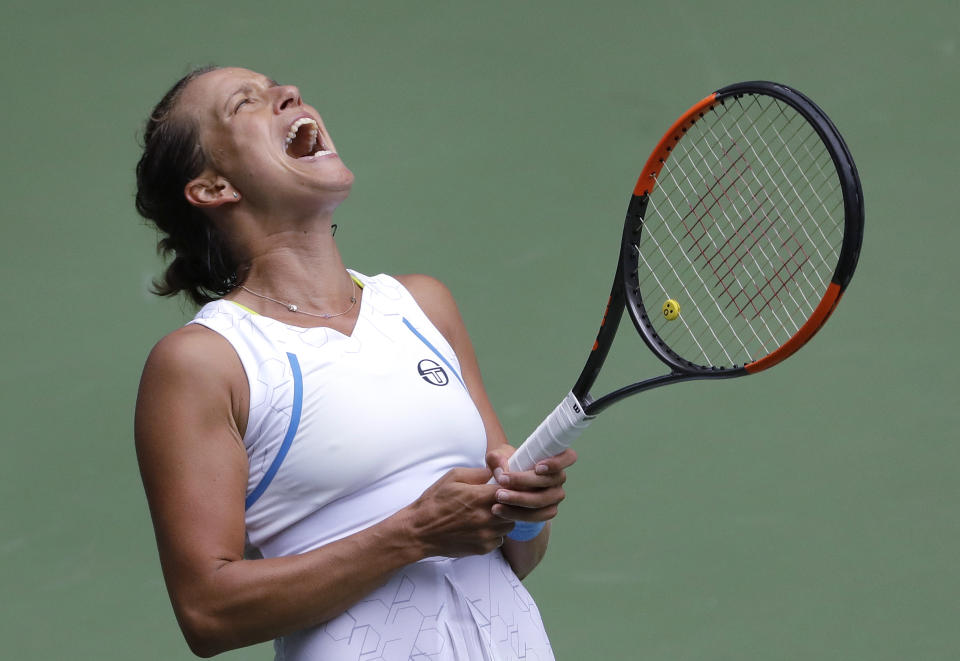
(191, 409)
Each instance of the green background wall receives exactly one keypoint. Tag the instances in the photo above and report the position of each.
(811, 512)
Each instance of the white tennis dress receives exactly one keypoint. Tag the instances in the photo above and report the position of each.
(344, 431)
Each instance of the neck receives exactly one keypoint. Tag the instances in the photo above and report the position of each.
(302, 266)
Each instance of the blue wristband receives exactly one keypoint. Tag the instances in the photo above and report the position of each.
(524, 531)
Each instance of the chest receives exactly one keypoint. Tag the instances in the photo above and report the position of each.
(385, 401)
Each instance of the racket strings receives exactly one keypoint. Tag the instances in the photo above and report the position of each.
(786, 174)
(738, 229)
(748, 231)
(798, 168)
(743, 237)
(715, 243)
(699, 324)
(704, 232)
(812, 187)
(722, 277)
(744, 229)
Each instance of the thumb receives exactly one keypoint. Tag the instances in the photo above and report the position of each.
(470, 475)
(498, 459)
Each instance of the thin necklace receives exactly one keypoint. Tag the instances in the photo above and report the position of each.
(295, 308)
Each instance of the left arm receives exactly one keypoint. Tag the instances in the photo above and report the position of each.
(527, 495)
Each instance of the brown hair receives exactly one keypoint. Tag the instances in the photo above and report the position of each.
(201, 266)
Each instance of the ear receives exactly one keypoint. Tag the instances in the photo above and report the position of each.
(210, 190)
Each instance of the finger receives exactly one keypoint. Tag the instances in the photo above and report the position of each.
(475, 495)
(528, 480)
(556, 463)
(531, 499)
(547, 472)
(496, 525)
(496, 540)
(499, 457)
(470, 475)
(524, 514)
(498, 460)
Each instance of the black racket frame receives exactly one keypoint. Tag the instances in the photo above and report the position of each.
(625, 293)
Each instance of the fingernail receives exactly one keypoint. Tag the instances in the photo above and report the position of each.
(497, 474)
(542, 468)
(501, 495)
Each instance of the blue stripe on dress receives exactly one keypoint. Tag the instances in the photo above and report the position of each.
(288, 439)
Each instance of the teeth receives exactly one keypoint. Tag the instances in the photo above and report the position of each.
(314, 130)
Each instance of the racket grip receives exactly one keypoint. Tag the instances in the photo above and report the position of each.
(554, 435)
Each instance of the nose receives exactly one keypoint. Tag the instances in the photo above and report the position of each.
(286, 96)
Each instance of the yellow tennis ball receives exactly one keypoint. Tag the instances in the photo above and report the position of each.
(671, 310)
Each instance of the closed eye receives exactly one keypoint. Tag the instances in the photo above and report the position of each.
(242, 101)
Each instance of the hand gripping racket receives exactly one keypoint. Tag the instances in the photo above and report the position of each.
(742, 233)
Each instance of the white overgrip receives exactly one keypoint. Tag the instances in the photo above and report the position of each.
(554, 435)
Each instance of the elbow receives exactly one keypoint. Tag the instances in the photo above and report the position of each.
(209, 614)
(201, 648)
(205, 634)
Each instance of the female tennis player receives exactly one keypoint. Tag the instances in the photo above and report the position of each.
(316, 445)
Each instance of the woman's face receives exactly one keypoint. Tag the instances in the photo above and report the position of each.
(260, 136)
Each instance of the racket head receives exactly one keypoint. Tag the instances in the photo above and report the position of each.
(743, 232)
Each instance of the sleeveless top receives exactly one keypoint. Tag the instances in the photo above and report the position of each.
(344, 431)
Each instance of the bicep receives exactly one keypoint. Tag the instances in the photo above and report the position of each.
(191, 455)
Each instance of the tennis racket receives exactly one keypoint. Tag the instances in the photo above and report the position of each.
(741, 236)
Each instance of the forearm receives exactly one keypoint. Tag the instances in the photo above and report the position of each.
(242, 602)
(239, 602)
(525, 556)
(529, 497)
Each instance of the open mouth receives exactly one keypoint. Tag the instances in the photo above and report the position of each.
(304, 139)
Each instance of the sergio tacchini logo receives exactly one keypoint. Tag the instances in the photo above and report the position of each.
(432, 373)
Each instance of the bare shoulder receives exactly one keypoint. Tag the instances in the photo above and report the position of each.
(189, 371)
(426, 287)
(192, 351)
(435, 299)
